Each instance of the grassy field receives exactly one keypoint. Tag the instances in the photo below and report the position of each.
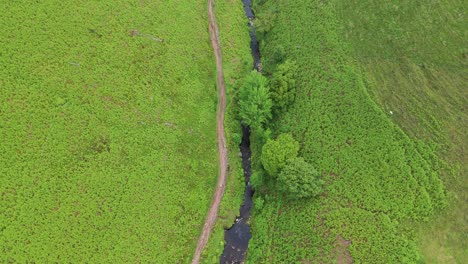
(379, 111)
(107, 129)
(414, 57)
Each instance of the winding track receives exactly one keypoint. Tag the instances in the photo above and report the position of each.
(222, 150)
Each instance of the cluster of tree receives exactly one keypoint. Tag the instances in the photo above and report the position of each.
(259, 99)
(295, 177)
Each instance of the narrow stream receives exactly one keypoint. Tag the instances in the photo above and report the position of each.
(237, 237)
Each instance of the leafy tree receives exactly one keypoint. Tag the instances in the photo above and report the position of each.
(254, 100)
(278, 55)
(283, 85)
(299, 179)
(265, 21)
(276, 152)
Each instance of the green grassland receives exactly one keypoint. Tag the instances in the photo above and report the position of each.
(107, 134)
(395, 181)
(414, 57)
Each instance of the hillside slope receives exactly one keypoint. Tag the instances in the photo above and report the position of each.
(107, 130)
(382, 179)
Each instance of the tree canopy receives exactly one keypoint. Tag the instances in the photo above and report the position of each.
(265, 22)
(276, 152)
(254, 100)
(283, 85)
(299, 179)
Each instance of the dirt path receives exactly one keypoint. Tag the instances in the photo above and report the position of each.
(222, 150)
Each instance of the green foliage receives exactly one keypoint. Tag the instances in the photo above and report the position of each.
(283, 85)
(367, 231)
(236, 65)
(107, 136)
(265, 22)
(278, 55)
(276, 152)
(380, 180)
(258, 203)
(414, 56)
(299, 179)
(254, 101)
(257, 179)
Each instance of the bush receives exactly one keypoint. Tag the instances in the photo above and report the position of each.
(254, 101)
(276, 152)
(283, 85)
(299, 179)
(265, 22)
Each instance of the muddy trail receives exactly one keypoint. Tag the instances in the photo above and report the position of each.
(222, 149)
(238, 236)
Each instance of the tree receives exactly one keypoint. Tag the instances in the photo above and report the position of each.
(299, 179)
(265, 21)
(283, 85)
(278, 54)
(254, 100)
(276, 152)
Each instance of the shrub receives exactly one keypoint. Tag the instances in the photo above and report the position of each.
(299, 179)
(276, 152)
(283, 85)
(254, 101)
(265, 22)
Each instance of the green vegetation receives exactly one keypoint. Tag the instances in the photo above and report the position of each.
(414, 57)
(254, 101)
(107, 129)
(265, 20)
(299, 179)
(367, 83)
(237, 63)
(276, 152)
(283, 86)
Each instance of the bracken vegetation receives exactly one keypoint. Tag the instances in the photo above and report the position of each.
(107, 129)
(358, 130)
(298, 179)
(381, 178)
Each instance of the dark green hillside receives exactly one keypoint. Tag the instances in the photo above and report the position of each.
(414, 57)
(382, 176)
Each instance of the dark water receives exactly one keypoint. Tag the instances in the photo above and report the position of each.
(237, 237)
(254, 47)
